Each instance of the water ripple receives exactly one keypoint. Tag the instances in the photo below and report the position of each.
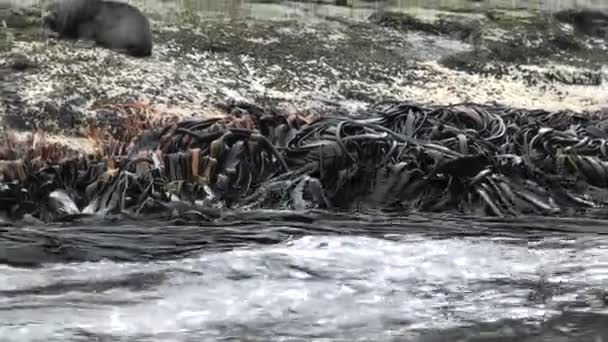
(337, 277)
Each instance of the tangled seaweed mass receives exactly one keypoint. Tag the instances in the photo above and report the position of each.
(394, 156)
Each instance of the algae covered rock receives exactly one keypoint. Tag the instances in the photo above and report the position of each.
(587, 21)
(339, 58)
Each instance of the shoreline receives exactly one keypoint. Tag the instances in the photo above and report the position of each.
(308, 62)
(482, 160)
(460, 83)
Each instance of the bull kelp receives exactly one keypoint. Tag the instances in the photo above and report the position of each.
(307, 122)
(393, 156)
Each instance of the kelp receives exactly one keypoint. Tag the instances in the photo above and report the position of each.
(394, 156)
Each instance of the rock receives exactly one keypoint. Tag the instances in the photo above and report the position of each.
(19, 18)
(336, 63)
(590, 22)
(20, 62)
(61, 203)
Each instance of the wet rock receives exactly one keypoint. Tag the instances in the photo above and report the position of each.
(333, 63)
(590, 22)
(20, 18)
(20, 62)
(61, 203)
(460, 29)
(51, 118)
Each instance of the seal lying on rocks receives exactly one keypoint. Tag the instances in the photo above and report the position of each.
(111, 24)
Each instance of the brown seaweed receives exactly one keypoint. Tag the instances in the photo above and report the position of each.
(465, 158)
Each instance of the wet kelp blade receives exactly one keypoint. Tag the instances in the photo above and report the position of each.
(402, 157)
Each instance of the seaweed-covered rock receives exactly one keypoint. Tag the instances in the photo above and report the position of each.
(20, 17)
(338, 61)
(590, 22)
(459, 27)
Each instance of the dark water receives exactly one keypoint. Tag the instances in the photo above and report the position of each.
(278, 276)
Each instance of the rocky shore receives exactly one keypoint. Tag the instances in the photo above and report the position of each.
(300, 57)
(480, 111)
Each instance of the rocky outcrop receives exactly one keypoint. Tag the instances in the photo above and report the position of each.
(590, 22)
(339, 59)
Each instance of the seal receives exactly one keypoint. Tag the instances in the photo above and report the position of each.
(111, 24)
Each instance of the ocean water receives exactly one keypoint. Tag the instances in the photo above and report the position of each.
(306, 276)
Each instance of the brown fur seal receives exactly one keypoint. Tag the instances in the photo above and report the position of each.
(114, 25)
